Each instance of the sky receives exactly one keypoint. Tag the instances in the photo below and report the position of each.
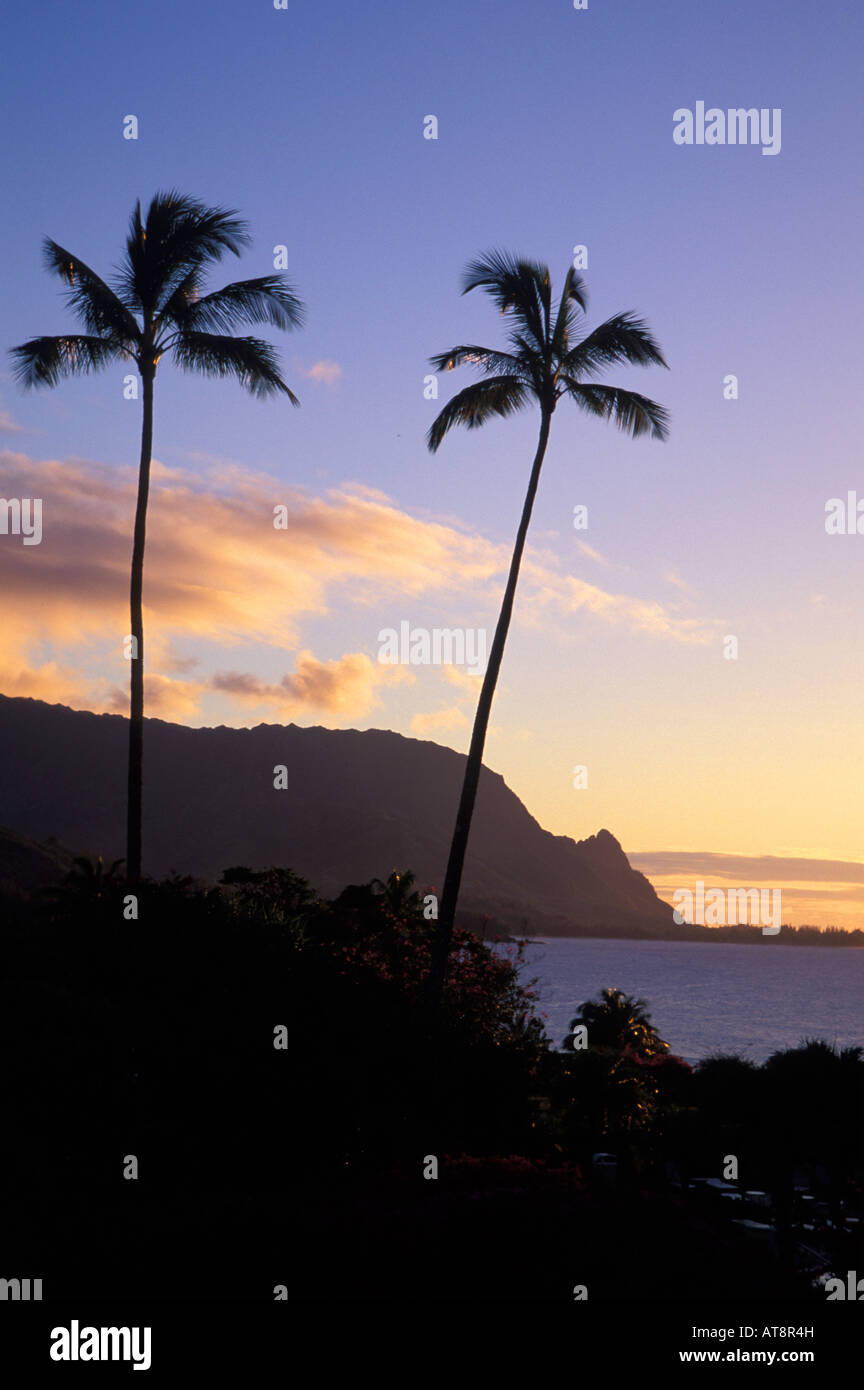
(554, 130)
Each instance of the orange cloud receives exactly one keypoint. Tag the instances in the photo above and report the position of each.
(238, 559)
(592, 554)
(217, 565)
(176, 701)
(344, 687)
(455, 675)
(438, 720)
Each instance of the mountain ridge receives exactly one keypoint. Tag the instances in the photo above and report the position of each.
(358, 804)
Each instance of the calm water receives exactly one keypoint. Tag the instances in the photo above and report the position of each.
(706, 998)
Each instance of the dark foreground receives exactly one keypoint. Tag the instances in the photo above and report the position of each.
(236, 1097)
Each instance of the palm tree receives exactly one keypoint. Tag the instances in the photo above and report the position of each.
(89, 880)
(157, 306)
(543, 363)
(398, 893)
(621, 1041)
(620, 1022)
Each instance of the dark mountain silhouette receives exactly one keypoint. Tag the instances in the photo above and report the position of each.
(357, 805)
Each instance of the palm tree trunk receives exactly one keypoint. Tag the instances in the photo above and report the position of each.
(136, 701)
(459, 844)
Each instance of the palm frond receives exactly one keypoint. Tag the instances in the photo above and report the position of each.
(535, 359)
(89, 297)
(632, 413)
(499, 363)
(177, 303)
(195, 236)
(268, 299)
(574, 292)
(523, 346)
(128, 277)
(495, 395)
(251, 360)
(46, 361)
(519, 287)
(623, 338)
(179, 234)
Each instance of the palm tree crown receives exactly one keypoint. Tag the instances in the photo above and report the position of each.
(544, 362)
(156, 304)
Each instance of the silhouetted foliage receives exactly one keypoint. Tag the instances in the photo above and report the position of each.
(159, 1038)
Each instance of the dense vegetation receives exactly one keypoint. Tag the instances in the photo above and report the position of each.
(304, 1164)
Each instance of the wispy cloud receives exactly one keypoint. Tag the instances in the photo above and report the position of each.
(593, 554)
(324, 373)
(8, 425)
(454, 675)
(674, 578)
(816, 891)
(766, 868)
(219, 571)
(438, 721)
(568, 594)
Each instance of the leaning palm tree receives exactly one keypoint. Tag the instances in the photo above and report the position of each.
(545, 361)
(157, 306)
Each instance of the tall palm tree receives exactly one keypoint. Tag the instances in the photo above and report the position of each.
(545, 361)
(157, 306)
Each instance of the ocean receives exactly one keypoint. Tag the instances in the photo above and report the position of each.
(705, 997)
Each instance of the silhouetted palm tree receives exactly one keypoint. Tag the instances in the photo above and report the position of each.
(90, 879)
(623, 1046)
(543, 364)
(398, 893)
(620, 1022)
(157, 306)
